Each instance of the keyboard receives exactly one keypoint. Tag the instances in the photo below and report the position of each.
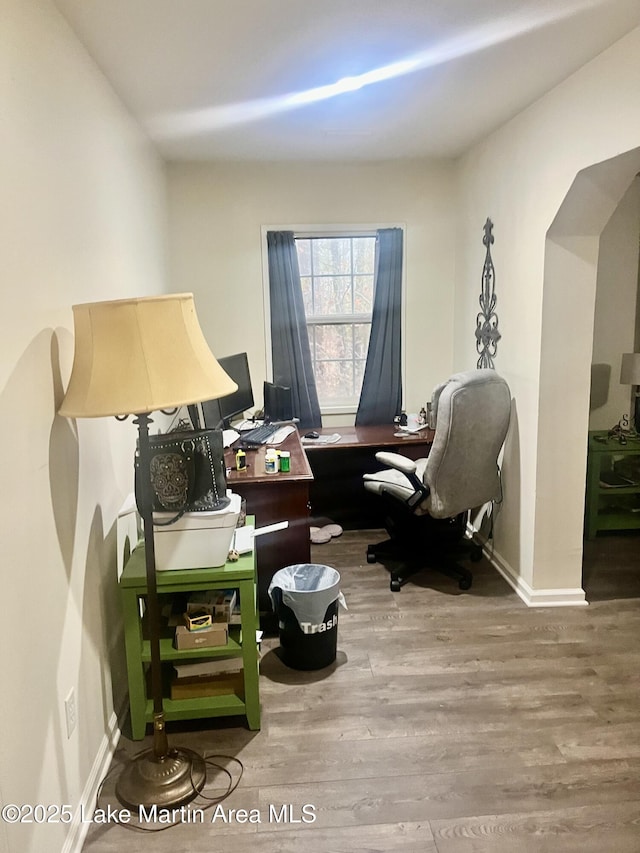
(267, 434)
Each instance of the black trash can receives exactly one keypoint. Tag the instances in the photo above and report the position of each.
(305, 598)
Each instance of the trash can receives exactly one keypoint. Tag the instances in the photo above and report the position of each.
(305, 598)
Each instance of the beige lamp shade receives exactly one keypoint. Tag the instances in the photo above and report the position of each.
(630, 369)
(140, 355)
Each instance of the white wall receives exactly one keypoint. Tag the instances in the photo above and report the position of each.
(82, 219)
(520, 176)
(615, 311)
(216, 215)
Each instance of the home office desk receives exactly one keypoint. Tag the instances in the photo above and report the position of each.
(272, 498)
(336, 490)
(325, 480)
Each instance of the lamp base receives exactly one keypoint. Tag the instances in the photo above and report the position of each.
(167, 782)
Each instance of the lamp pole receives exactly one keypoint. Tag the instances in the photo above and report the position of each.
(160, 743)
(160, 776)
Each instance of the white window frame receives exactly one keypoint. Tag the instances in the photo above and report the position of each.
(301, 231)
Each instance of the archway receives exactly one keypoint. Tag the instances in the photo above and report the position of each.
(570, 277)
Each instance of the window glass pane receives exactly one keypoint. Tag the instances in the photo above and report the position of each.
(334, 342)
(363, 294)
(361, 332)
(334, 381)
(337, 277)
(332, 295)
(359, 373)
(304, 256)
(305, 283)
(331, 255)
(364, 249)
(312, 342)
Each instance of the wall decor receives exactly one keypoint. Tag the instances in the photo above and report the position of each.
(487, 334)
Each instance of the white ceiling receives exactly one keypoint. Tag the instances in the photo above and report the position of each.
(256, 79)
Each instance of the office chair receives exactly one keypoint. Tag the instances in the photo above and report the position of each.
(428, 501)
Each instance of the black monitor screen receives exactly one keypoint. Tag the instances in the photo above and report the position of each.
(206, 415)
(278, 402)
(237, 367)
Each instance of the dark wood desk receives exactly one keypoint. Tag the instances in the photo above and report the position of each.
(272, 498)
(325, 480)
(337, 491)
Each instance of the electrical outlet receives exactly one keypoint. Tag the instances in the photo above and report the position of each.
(70, 711)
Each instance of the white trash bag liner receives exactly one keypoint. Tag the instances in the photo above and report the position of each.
(308, 589)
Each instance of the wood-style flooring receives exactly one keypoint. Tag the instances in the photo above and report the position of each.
(450, 723)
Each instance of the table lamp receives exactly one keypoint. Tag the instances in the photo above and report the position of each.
(133, 357)
(630, 375)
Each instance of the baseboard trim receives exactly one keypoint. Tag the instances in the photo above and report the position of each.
(79, 828)
(532, 597)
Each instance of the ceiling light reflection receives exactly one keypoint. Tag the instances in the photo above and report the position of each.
(472, 41)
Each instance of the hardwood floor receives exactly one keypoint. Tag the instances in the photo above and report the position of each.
(451, 723)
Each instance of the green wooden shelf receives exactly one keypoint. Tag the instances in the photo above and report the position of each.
(168, 652)
(611, 508)
(228, 705)
(240, 575)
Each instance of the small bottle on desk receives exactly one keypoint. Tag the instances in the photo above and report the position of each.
(271, 461)
(285, 461)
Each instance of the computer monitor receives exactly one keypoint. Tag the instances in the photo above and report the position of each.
(237, 367)
(217, 414)
(206, 415)
(278, 402)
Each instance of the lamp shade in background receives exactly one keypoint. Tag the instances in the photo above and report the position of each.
(133, 357)
(140, 355)
(630, 375)
(630, 369)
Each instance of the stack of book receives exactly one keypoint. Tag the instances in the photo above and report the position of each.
(207, 678)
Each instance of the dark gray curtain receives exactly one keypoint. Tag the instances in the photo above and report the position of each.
(381, 396)
(289, 337)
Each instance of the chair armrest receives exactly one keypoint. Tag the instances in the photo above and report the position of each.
(408, 468)
(397, 461)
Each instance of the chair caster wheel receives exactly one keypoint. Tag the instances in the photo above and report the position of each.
(394, 586)
(371, 558)
(476, 553)
(464, 583)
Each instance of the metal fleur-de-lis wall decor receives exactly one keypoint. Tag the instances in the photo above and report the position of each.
(487, 334)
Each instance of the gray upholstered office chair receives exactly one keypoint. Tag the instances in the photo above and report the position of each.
(428, 500)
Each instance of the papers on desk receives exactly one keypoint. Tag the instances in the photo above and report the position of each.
(323, 439)
(229, 436)
(243, 536)
(409, 431)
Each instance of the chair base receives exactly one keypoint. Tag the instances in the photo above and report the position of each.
(406, 557)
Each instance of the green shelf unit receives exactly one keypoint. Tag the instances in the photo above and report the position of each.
(228, 705)
(168, 652)
(240, 575)
(611, 507)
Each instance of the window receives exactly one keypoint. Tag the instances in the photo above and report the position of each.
(337, 278)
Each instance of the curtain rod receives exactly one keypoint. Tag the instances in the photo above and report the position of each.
(319, 235)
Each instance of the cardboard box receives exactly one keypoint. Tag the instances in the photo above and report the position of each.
(216, 685)
(208, 668)
(220, 603)
(216, 635)
(198, 540)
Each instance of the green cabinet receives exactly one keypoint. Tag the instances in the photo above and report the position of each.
(613, 484)
(240, 575)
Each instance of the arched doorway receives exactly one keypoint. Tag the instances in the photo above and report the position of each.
(568, 311)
